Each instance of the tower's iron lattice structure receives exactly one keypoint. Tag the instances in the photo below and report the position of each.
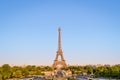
(59, 53)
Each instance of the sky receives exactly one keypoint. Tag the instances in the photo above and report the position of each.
(90, 31)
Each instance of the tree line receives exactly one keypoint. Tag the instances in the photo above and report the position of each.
(6, 71)
(105, 71)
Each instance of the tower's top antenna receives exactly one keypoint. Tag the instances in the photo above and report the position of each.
(59, 28)
(59, 38)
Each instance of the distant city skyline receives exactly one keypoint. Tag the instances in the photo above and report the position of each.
(90, 31)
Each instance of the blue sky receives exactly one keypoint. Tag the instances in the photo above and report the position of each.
(90, 31)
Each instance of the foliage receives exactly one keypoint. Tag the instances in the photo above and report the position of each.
(100, 71)
(7, 71)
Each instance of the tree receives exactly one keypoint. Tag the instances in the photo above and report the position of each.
(115, 71)
(38, 72)
(25, 72)
(6, 71)
(88, 69)
(0, 76)
(17, 74)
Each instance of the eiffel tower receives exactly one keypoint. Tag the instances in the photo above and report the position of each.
(59, 53)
